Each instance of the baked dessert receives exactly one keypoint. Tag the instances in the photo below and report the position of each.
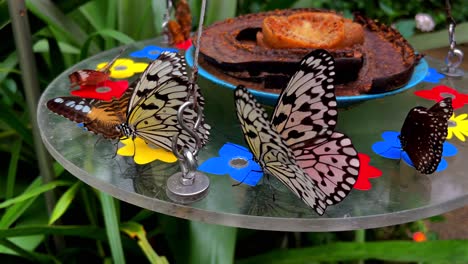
(261, 51)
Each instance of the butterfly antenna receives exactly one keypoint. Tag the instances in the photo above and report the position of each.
(106, 68)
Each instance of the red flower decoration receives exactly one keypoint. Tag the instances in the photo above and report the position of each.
(366, 171)
(419, 236)
(441, 91)
(102, 91)
(184, 45)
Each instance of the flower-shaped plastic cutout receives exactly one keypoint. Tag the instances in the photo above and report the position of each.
(366, 171)
(143, 153)
(124, 68)
(151, 52)
(458, 127)
(235, 160)
(419, 236)
(184, 45)
(102, 91)
(433, 76)
(390, 148)
(440, 92)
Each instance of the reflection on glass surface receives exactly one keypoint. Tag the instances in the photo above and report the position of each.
(400, 195)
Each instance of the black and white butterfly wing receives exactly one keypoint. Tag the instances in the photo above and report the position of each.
(333, 163)
(272, 153)
(423, 134)
(306, 116)
(152, 111)
(306, 108)
(167, 67)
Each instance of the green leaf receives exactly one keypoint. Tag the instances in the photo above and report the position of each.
(90, 232)
(43, 46)
(64, 202)
(135, 18)
(135, 230)
(388, 10)
(12, 168)
(112, 227)
(11, 94)
(13, 212)
(142, 215)
(219, 10)
(31, 256)
(33, 193)
(159, 8)
(211, 243)
(8, 65)
(28, 243)
(54, 17)
(119, 36)
(448, 251)
(4, 14)
(13, 121)
(55, 57)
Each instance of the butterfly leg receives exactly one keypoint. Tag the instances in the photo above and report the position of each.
(243, 179)
(272, 190)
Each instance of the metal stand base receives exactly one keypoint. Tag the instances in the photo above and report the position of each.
(454, 72)
(186, 194)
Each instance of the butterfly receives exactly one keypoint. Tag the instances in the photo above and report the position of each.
(299, 145)
(147, 109)
(179, 30)
(423, 134)
(92, 77)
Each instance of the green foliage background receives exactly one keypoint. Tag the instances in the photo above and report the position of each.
(90, 223)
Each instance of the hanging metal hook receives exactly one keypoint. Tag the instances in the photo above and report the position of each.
(455, 56)
(165, 22)
(189, 185)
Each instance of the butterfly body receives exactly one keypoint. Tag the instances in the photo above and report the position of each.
(298, 146)
(423, 134)
(148, 109)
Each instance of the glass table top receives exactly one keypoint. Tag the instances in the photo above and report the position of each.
(400, 195)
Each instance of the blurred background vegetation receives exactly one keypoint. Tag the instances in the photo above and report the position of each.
(65, 32)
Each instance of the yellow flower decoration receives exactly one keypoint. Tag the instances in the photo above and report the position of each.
(124, 68)
(458, 126)
(143, 153)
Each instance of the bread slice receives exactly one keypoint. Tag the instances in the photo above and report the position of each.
(303, 30)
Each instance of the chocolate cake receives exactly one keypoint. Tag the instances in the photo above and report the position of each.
(235, 50)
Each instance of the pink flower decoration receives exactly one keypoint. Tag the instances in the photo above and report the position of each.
(441, 91)
(184, 45)
(102, 91)
(366, 172)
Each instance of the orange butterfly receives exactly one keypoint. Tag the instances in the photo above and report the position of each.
(92, 77)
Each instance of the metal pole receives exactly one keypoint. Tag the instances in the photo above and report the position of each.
(22, 35)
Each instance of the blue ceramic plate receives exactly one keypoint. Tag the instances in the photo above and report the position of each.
(419, 73)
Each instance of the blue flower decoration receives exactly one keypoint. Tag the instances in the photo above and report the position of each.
(390, 148)
(433, 76)
(235, 160)
(151, 52)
